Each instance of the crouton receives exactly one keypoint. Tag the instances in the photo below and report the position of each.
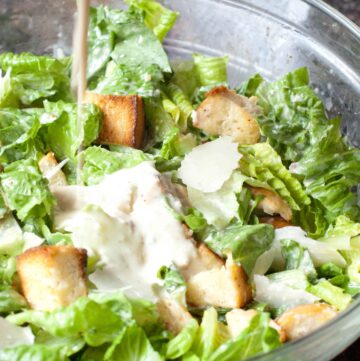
(272, 203)
(302, 320)
(238, 320)
(219, 287)
(276, 222)
(174, 315)
(208, 258)
(123, 118)
(52, 276)
(49, 167)
(223, 112)
(205, 260)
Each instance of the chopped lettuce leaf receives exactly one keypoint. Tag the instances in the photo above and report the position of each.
(294, 117)
(353, 270)
(10, 300)
(261, 162)
(210, 335)
(256, 339)
(34, 78)
(18, 130)
(62, 133)
(36, 352)
(7, 269)
(13, 335)
(249, 87)
(330, 174)
(297, 257)
(133, 345)
(246, 243)
(123, 37)
(26, 191)
(182, 342)
(210, 70)
(99, 162)
(96, 322)
(158, 18)
(331, 294)
(122, 80)
(8, 98)
(178, 105)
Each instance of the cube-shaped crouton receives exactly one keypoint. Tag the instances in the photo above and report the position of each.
(174, 315)
(52, 276)
(304, 319)
(223, 112)
(123, 118)
(219, 287)
(49, 167)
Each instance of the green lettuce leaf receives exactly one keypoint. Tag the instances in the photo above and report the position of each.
(7, 269)
(330, 170)
(133, 345)
(249, 87)
(34, 78)
(182, 342)
(210, 71)
(123, 37)
(258, 338)
(178, 105)
(158, 18)
(294, 117)
(26, 191)
(62, 133)
(297, 257)
(121, 80)
(10, 300)
(18, 131)
(246, 243)
(99, 162)
(210, 335)
(95, 322)
(261, 162)
(331, 294)
(8, 98)
(35, 352)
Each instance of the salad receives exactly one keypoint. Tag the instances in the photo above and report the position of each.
(198, 222)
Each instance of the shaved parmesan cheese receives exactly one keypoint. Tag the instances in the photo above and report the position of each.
(219, 207)
(208, 166)
(12, 335)
(279, 295)
(320, 252)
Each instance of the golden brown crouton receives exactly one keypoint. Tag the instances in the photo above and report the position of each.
(52, 276)
(174, 315)
(272, 203)
(219, 287)
(276, 222)
(208, 258)
(223, 112)
(50, 169)
(302, 320)
(123, 118)
(238, 320)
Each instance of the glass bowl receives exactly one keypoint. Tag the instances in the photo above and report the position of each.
(272, 37)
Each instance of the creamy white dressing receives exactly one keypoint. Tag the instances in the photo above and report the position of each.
(126, 220)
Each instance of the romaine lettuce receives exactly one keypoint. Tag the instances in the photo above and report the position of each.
(158, 18)
(258, 338)
(246, 243)
(26, 191)
(34, 78)
(261, 162)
